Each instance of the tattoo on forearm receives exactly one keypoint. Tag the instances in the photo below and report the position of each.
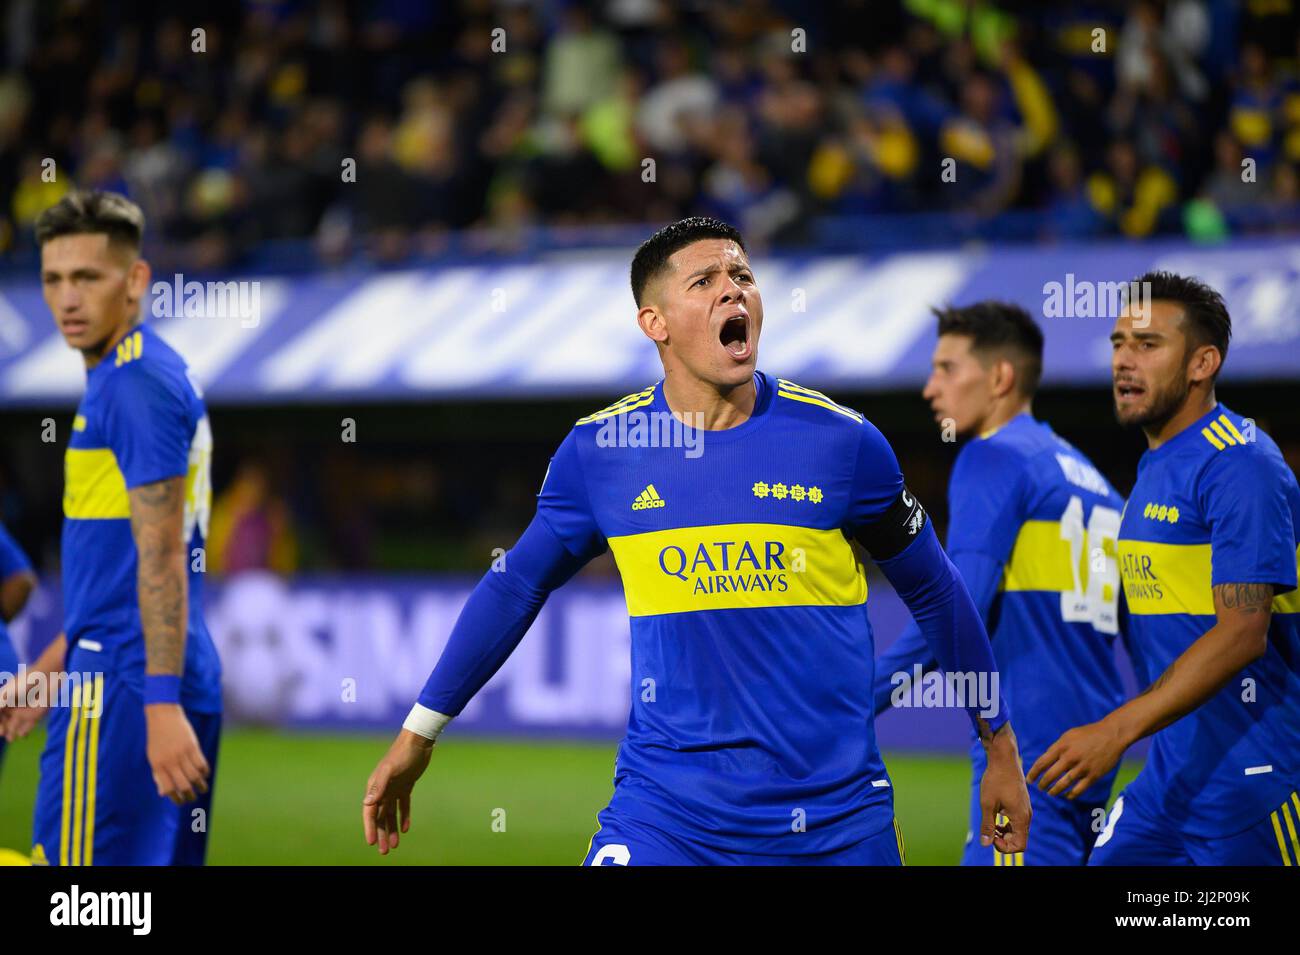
(157, 514)
(1246, 598)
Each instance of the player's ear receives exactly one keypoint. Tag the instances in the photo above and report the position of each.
(1205, 363)
(137, 280)
(652, 323)
(1004, 376)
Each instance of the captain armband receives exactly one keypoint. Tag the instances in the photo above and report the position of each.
(893, 531)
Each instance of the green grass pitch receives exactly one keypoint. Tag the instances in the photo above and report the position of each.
(295, 799)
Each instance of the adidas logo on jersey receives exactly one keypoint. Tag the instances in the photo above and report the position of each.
(647, 499)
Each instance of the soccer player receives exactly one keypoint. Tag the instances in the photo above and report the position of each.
(1208, 548)
(125, 775)
(750, 738)
(1032, 528)
(16, 584)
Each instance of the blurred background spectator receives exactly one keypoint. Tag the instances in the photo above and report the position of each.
(1066, 121)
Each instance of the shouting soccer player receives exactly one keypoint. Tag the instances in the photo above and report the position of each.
(1208, 548)
(125, 775)
(16, 584)
(1032, 529)
(751, 735)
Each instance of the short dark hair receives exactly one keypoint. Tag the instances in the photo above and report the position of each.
(653, 255)
(1207, 317)
(91, 211)
(999, 326)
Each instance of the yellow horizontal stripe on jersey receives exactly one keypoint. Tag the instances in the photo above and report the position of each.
(1040, 560)
(1166, 578)
(1176, 578)
(93, 486)
(731, 566)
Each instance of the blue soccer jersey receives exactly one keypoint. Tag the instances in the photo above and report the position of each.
(752, 652)
(1031, 504)
(1032, 527)
(141, 420)
(1216, 504)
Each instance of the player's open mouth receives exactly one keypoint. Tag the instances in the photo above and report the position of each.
(735, 337)
(1128, 391)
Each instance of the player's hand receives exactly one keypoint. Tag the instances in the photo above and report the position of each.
(1079, 758)
(388, 791)
(180, 770)
(1004, 800)
(17, 721)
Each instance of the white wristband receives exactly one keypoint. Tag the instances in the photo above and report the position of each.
(425, 722)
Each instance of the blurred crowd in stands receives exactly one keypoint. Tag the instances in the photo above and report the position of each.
(233, 128)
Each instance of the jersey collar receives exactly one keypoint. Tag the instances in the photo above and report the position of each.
(1006, 424)
(1190, 433)
(764, 389)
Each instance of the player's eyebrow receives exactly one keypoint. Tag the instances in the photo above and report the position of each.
(716, 267)
(1140, 336)
(81, 271)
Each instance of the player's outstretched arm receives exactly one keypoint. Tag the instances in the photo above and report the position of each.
(180, 770)
(1084, 754)
(494, 619)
